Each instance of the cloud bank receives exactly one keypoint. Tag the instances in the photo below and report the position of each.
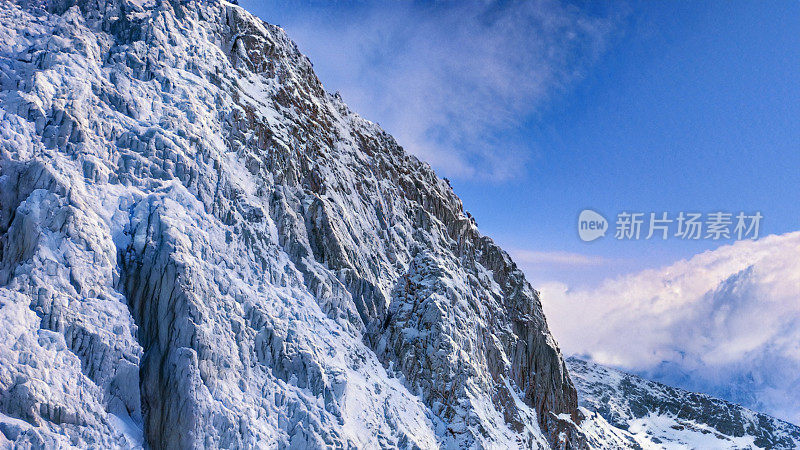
(452, 80)
(725, 322)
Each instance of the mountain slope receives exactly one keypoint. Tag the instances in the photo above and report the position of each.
(200, 247)
(638, 413)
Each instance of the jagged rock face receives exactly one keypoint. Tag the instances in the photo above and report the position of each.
(636, 413)
(202, 248)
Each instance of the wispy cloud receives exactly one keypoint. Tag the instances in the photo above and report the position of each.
(726, 322)
(452, 80)
(558, 258)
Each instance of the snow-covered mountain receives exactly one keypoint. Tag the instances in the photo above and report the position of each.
(626, 411)
(200, 247)
(203, 248)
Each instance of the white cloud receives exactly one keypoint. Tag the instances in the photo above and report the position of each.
(726, 322)
(451, 81)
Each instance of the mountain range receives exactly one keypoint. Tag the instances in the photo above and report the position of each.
(200, 247)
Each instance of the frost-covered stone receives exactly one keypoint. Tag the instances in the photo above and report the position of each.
(202, 248)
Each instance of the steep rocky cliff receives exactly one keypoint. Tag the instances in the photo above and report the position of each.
(200, 247)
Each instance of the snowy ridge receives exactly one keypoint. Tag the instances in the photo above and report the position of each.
(632, 412)
(200, 247)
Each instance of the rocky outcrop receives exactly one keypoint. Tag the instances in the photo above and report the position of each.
(217, 253)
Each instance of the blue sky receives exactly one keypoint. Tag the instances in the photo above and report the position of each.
(538, 110)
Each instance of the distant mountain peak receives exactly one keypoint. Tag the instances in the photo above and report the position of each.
(639, 413)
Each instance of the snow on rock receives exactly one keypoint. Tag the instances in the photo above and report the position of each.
(200, 247)
(626, 411)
